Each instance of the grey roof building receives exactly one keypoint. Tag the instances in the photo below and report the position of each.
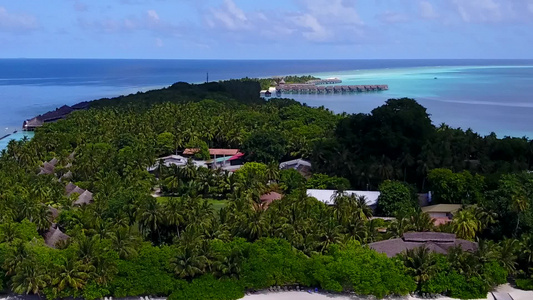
(85, 197)
(54, 235)
(438, 242)
(49, 167)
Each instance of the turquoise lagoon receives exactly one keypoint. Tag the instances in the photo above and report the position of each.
(487, 99)
(15, 136)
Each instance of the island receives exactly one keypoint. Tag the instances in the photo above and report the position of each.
(208, 191)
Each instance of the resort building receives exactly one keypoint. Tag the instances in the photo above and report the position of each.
(300, 165)
(442, 213)
(49, 167)
(225, 159)
(85, 197)
(52, 116)
(214, 153)
(175, 160)
(438, 242)
(54, 235)
(233, 162)
(328, 196)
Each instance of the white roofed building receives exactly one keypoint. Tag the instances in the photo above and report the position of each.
(327, 196)
(176, 160)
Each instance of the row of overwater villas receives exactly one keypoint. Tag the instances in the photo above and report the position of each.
(313, 89)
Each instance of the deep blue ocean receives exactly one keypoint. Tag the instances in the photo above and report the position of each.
(485, 95)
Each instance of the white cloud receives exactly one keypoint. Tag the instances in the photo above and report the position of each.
(333, 11)
(313, 20)
(426, 10)
(159, 43)
(152, 14)
(229, 16)
(313, 29)
(479, 10)
(392, 17)
(17, 22)
(150, 21)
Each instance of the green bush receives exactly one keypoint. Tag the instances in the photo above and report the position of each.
(525, 284)
(362, 271)
(209, 288)
(147, 274)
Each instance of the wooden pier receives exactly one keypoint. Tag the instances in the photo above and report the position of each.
(335, 89)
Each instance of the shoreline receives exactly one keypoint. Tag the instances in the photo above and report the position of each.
(499, 293)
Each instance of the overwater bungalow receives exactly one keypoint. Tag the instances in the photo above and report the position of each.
(52, 116)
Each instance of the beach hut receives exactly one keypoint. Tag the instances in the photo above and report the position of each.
(53, 211)
(54, 235)
(84, 199)
(49, 167)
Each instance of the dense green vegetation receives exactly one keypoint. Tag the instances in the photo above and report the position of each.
(266, 83)
(128, 243)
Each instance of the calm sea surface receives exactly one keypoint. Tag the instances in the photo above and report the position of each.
(486, 95)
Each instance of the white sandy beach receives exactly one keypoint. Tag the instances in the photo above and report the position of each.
(303, 295)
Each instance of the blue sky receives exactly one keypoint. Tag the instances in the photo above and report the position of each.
(248, 29)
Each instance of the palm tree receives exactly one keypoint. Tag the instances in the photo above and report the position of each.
(87, 248)
(272, 172)
(363, 211)
(10, 232)
(230, 265)
(104, 270)
(173, 211)
(255, 226)
(507, 254)
(187, 263)
(329, 233)
(29, 277)
(400, 226)
(150, 218)
(526, 246)
(71, 274)
(519, 203)
(42, 218)
(421, 221)
(420, 263)
(123, 243)
(465, 224)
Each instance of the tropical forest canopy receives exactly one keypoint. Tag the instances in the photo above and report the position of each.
(210, 236)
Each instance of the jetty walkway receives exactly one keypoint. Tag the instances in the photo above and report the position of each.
(335, 89)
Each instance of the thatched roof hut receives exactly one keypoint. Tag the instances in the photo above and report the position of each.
(54, 235)
(438, 242)
(84, 199)
(54, 211)
(49, 167)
